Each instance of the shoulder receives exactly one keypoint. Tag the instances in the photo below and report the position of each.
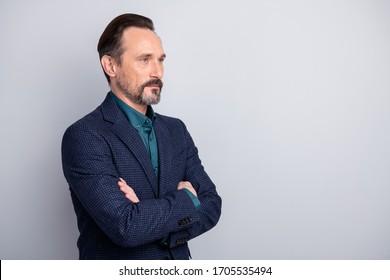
(168, 119)
(86, 129)
(174, 129)
(170, 123)
(90, 120)
(99, 119)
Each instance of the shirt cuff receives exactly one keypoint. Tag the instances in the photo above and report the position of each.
(165, 241)
(194, 199)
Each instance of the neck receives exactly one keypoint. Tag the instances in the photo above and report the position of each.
(140, 108)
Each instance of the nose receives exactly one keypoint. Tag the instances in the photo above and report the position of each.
(157, 70)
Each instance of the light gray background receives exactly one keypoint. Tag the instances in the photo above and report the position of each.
(287, 101)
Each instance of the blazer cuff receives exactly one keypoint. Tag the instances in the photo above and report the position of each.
(178, 238)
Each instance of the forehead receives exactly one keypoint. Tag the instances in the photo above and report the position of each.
(138, 40)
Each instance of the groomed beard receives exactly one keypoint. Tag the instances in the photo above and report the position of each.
(138, 96)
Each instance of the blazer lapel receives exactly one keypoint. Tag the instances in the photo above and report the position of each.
(164, 153)
(129, 135)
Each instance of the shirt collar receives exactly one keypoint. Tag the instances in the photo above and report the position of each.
(135, 118)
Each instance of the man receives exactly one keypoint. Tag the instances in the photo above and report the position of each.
(136, 181)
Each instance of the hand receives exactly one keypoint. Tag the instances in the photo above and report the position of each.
(129, 192)
(187, 185)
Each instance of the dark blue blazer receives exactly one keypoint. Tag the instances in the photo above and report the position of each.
(103, 146)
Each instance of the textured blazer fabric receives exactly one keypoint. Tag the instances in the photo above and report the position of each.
(103, 146)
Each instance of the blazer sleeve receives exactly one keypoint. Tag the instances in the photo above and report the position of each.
(92, 176)
(211, 202)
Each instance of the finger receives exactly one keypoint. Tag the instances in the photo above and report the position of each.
(122, 182)
(181, 185)
(132, 198)
(124, 190)
(121, 185)
(127, 191)
(187, 185)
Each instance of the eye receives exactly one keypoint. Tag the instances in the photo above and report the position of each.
(145, 59)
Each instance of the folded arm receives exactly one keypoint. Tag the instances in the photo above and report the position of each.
(199, 184)
(93, 177)
(211, 203)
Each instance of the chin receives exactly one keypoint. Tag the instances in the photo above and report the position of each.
(151, 98)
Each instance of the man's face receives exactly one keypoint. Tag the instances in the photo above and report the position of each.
(139, 76)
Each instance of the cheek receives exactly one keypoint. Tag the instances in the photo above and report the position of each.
(128, 78)
(137, 76)
(134, 76)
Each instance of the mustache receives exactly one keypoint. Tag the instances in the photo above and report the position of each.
(154, 82)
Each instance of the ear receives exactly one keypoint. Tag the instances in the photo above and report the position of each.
(109, 65)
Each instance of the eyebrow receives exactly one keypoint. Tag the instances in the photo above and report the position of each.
(150, 55)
